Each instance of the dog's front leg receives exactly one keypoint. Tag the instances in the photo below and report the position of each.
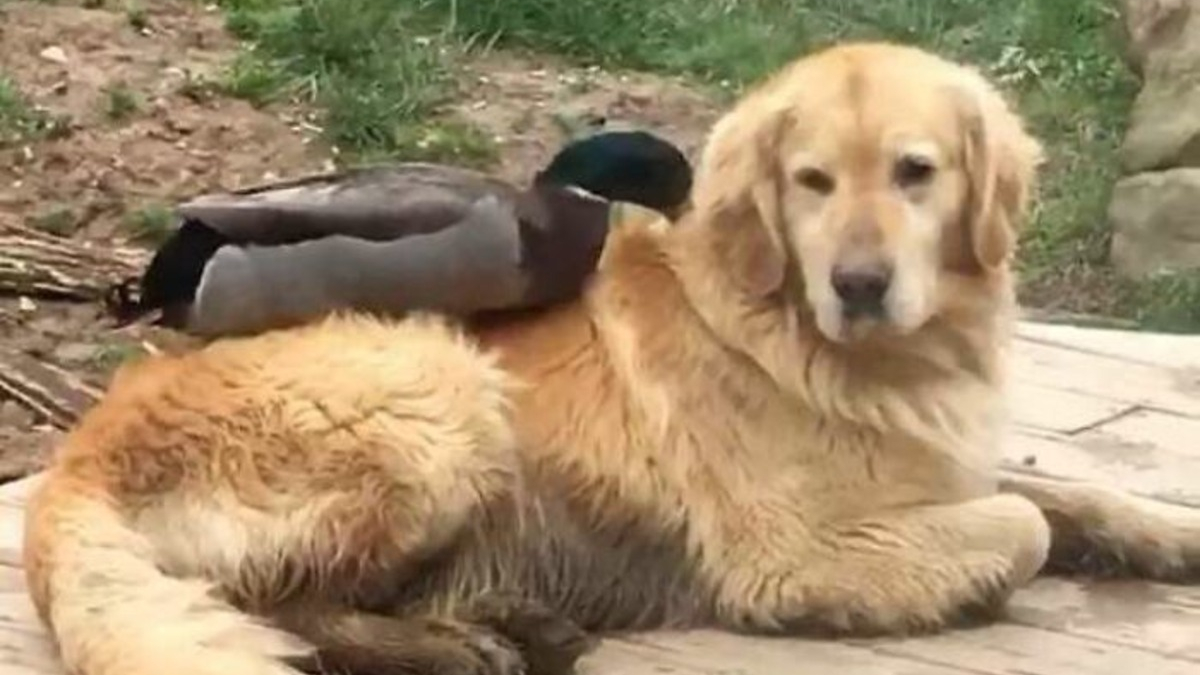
(902, 571)
(1101, 531)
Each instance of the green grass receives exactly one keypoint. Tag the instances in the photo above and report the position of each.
(1170, 303)
(59, 221)
(136, 16)
(19, 121)
(378, 74)
(198, 88)
(111, 355)
(120, 102)
(149, 223)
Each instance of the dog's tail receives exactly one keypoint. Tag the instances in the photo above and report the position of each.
(112, 611)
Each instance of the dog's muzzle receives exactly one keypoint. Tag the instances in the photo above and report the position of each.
(862, 290)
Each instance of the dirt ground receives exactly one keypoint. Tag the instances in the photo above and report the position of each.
(178, 139)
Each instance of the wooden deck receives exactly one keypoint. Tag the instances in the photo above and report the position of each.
(1108, 406)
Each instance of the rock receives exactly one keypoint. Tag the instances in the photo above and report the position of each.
(25, 452)
(74, 353)
(1164, 126)
(1154, 222)
(1149, 24)
(14, 416)
(54, 54)
(48, 325)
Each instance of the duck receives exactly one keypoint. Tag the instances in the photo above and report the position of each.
(396, 238)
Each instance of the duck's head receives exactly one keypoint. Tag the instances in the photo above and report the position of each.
(627, 166)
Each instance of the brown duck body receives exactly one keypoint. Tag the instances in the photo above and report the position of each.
(389, 240)
(374, 203)
(384, 240)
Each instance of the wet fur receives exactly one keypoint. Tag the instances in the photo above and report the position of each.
(683, 446)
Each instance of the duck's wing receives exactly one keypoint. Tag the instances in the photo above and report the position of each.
(377, 203)
(472, 265)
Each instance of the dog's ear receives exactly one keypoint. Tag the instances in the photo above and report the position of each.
(737, 196)
(1001, 161)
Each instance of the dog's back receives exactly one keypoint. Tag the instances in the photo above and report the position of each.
(264, 469)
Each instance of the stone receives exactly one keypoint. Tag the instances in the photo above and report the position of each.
(1155, 223)
(74, 353)
(1149, 24)
(14, 415)
(54, 54)
(1164, 125)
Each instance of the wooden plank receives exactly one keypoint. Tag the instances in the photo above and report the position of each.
(1161, 349)
(12, 666)
(24, 644)
(1145, 428)
(1146, 470)
(12, 533)
(709, 651)
(615, 658)
(12, 580)
(12, 519)
(1164, 619)
(14, 493)
(1054, 409)
(24, 653)
(18, 617)
(1103, 377)
(1006, 648)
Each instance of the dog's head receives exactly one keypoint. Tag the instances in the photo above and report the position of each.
(861, 183)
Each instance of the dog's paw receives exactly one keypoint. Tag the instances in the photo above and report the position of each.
(495, 655)
(914, 604)
(550, 643)
(911, 572)
(371, 644)
(457, 648)
(1106, 533)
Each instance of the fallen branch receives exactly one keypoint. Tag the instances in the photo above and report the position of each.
(54, 396)
(37, 264)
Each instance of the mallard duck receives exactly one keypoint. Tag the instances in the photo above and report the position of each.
(396, 238)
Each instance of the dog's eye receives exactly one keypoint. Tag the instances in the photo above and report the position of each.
(816, 180)
(911, 171)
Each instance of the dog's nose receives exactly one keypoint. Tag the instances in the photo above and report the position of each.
(861, 289)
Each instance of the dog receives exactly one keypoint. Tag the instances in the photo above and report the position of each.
(780, 415)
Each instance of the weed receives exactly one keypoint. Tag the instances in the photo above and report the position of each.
(136, 17)
(445, 140)
(59, 221)
(254, 78)
(150, 223)
(120, 102)
(20, 121)
(198, 88)
(110, 355)
(1169, 302)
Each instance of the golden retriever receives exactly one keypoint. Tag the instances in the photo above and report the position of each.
(781, 414)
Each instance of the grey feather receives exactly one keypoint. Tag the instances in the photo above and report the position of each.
(472, 265)
(377, 203)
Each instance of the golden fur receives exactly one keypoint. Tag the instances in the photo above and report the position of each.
(708, 436)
